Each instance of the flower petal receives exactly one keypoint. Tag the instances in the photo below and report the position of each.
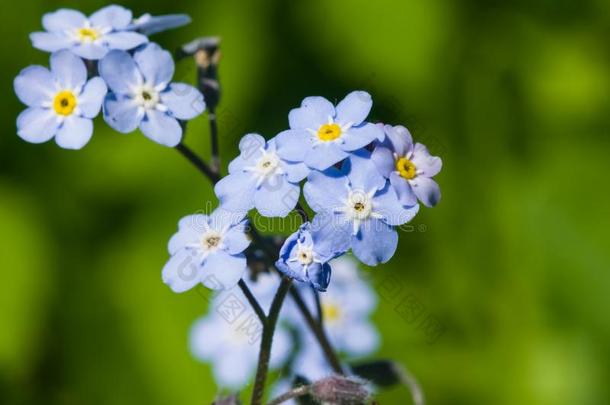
(34, 86)
(50, 42)
(360, 338)
(161, 128)
(426, 189)
(91, 51)
(120, 72)
(317, 187)
(323, 155)
(314, 111)
(276, 197)
(387, 204)
(182, 271)
(331, 235)
(383, 158)
(63, 19)
(375, 243)
(358, 137)
(428, 165)
(236, 192)
(149, 25)
(155, 63)
(236, 240)
(293, 144)
(319, 275)
(295, 172)
(122, 113)
(37, 125)
(91, 99)
(124, 40)
(184, 101)
(222, 271)
(68, 69)
(403, 189)
(400, 139)
(363, 174)
(74, 133)
(354, 108)
(113, 16)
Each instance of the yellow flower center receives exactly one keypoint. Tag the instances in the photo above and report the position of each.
(88, 34)
(406, 168)
(64, 102)
(329, 132)
(331, 312)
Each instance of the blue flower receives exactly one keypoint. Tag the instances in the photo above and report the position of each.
(321, 134)
(231, 344)
(357, 202)
(89, 38)
(148, 24)
(409, 167)
(142, 95)
(61, 102)
(208, 250)
(259, 178)
(305, 255)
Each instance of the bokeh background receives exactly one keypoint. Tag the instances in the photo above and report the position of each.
(512, 266)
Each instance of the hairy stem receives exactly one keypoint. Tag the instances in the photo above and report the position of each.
(253, 302)
(267, 339)
(293, 393)
(214, 140)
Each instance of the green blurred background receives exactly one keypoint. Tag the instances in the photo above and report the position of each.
(513, 264)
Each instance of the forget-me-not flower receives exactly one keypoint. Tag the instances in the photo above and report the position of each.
(321, 134)
(61, 102)
(358, 201)
(208, 250)
(229, 336)
(305, 255)
(409, 167)
(142, 96)
(149, 24)
(89, 38)
(259, 178)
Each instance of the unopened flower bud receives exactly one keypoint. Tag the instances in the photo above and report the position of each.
(340, 391)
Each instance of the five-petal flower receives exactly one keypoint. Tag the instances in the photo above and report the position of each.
(409, 167)
(208, 250)
(321, 134)
(89, 38)
(61, 102)
(259, 178)
(142, 95)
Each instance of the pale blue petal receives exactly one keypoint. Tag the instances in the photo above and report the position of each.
(91, 51)
(113, 16)
(426, 189)
(323, 155)
(183, 101)
(360, 338)
(375, 243)
(331, 235)
(296, 172)
(34, 86)
(124, 40)
(122, 113)
(232, 370)
(236, 240)
(69, 70)
(426, 164)
(149, 25)
(63, 19)
(236, 192)
(222, 271)
(361, 136)
(161, 128)
(354, 108)
(221, 218)
(37, 125)
(383, 158)
(120, 72)
(400, 139)
(293, 144)
(276, 197)
(156, 64)
(314, 112)
(182, 271)
(74, 133)
(403, 189)
(185, 236)
(363, 174)
(204, 339)
(50, 42)
(387, 204)
(319, 275)
(292, 269)
(91, 99)
(316, 190)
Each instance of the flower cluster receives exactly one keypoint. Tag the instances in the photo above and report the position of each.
(134, 89)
